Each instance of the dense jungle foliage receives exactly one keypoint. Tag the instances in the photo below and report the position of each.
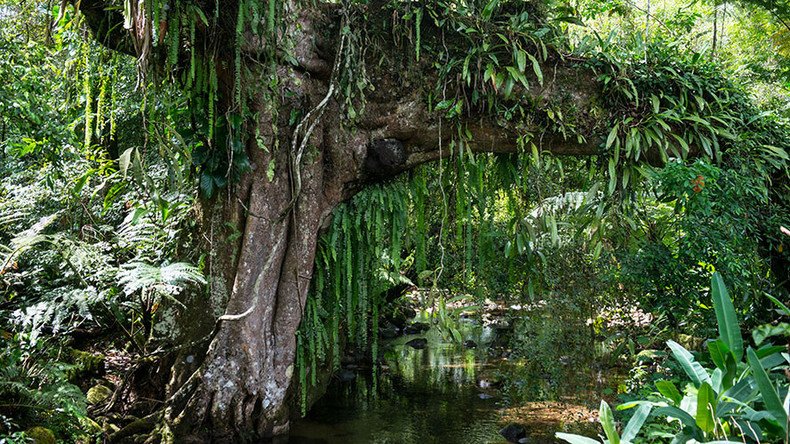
(682, 214)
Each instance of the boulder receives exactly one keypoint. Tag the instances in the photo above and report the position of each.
(513, 433)
(388, 331)
(418, 343)
(40, 435)
(98, 394)
(416, 328)
(346, 375)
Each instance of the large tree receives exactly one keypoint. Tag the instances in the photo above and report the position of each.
(303, 103)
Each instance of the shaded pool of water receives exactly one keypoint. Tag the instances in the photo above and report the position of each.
(445, 393)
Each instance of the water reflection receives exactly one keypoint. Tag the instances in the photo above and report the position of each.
(421, 396)
(445, 393)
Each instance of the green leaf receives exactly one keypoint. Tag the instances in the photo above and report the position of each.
(683, 144)
(763, 332)
(779, 304)
(612, 176)
(723, 442)
(555, 238)
(635, 423)
(718, 351)
(607, 421)
(82, 181)
(612, 135)
(444, 104)
(489, 9)
(739, 392)
(668, 389)
(575, 439)
(770, 396)
(536, 68)
(776, 152)
(656, 104)
(706, 408)
(137, 167)
(114, 191)
(199, 12)
(729, 331)
(521, 60)
(725, 362)
(206, 184)
(517, 75)
(693, 369)
(681, 415)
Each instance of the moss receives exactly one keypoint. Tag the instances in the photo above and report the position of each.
(98, 394)
(84, 364)
(41, 435)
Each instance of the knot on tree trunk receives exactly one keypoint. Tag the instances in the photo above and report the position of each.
(385, 158)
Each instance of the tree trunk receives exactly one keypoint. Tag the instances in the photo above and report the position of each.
(241, 389)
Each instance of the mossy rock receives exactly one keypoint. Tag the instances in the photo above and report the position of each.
(41, 435)
(87, 361)
(85, 364)
(98, 394)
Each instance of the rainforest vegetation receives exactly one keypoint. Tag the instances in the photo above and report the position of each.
(395, 221)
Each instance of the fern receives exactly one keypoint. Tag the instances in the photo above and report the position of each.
(173, 37)
(240, 22)
(168, 280)
(34, 388)
(356, 261)
(101, 102)
(86, 85)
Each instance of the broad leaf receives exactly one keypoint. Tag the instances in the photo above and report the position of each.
(767, 390)
(693, 369)
(668, 389)
(635, 424)
(725, 362)
(607, 421)
(729, 331)
(706, 408)
(575, 439)
(779, 304)
(681, 415)
(489, 9)
(612, 135)
(124, 161)
(536, 68)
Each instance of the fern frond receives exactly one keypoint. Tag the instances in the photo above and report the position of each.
(166, 279)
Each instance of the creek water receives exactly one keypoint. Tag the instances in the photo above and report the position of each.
(444, 393)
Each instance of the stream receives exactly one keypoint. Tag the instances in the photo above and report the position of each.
(448, 393)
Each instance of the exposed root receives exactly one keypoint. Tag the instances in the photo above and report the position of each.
(143, 426)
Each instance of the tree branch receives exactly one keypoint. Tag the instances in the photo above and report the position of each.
(106, 24)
